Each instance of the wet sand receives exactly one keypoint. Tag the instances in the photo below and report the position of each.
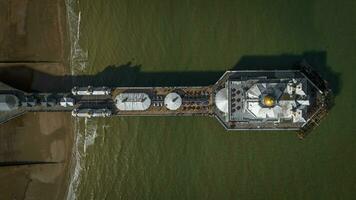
(34, 36)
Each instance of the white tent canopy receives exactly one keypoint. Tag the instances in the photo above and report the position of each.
(284, 109)
(67, 102)
(261, 112)
(254, 92)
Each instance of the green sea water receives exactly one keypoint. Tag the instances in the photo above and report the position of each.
(162, 42)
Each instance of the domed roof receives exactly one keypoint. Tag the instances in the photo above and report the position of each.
(222, 101)
(133, 101)
(268, 101)
(173, 101)
(8, 102)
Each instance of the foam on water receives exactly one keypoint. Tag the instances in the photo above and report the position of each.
(83, 135)
(78, 56)
(76, 162)
(186, 158)
(90, 132)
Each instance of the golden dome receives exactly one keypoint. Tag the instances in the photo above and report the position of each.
(268, 101)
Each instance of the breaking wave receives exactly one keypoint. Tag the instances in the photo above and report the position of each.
(76, 163)
(85, 131)
(78, 57)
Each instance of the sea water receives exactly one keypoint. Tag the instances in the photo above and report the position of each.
(157, 42)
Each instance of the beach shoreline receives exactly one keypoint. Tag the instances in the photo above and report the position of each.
(34, 41)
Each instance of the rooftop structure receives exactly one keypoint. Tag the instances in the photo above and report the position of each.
(266, 99)
(8, 102)
(240, 100)
(173, 101)
(132, 101)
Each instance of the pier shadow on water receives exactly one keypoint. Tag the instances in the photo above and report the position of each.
(22, 77)
(130, 74)
(316, 59)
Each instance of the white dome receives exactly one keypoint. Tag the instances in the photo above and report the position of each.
(222, 101)
(8, 102)
(173, 101)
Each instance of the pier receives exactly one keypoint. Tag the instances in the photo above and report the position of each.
(239, 100)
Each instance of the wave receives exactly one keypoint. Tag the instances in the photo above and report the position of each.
(78, 57)
(76, 163)
(84, 134)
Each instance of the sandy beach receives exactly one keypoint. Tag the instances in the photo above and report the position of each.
(34, 39)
